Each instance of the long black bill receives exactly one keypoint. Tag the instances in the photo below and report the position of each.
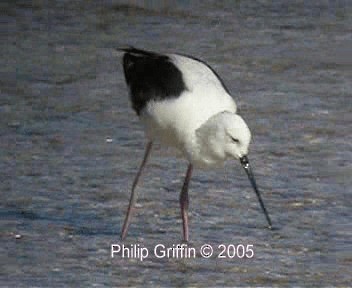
(247, 168)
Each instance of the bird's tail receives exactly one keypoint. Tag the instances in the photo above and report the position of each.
(127, 48)
(136, 51)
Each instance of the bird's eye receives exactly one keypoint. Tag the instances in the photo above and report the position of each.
(235, 140)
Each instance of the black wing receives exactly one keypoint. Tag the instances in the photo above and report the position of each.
(150, 76)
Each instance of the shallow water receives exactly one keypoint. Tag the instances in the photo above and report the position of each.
(70, 145)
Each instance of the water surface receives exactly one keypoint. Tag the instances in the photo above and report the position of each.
(70, 144)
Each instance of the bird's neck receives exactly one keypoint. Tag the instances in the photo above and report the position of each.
(209, 139)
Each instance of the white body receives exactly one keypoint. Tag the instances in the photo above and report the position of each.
(194, 122)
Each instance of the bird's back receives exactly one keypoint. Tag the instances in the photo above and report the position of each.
(173, 94)
(150, 76)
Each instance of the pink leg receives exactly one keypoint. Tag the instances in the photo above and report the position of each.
(184, 202)
(133, 197)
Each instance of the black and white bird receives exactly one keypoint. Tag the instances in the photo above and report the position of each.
(183, 103)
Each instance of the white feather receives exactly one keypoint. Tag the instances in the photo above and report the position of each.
(174, 121)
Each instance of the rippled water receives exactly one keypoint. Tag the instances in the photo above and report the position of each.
(70, 144)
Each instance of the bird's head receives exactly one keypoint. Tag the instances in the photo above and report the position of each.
(236, 135)
(224, 136)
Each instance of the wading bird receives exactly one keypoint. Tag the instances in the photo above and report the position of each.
(183, 103)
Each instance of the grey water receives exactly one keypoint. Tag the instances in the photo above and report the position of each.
(70, 145)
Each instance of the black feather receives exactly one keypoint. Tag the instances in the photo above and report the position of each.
(150, 76)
